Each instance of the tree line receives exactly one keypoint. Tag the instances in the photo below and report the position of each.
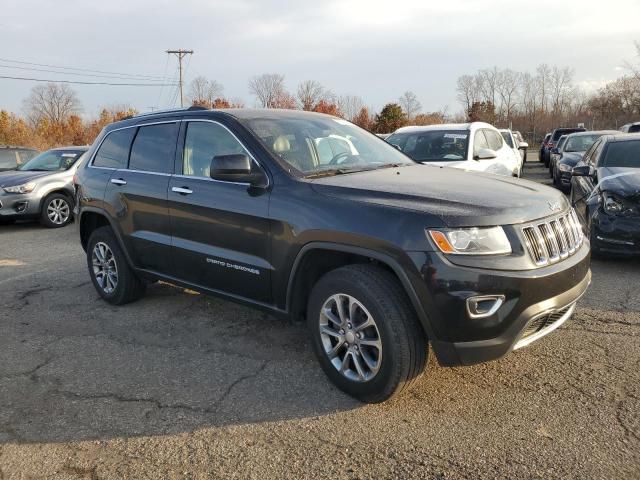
(536, 102)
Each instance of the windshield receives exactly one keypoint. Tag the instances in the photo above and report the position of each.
(507, 138)
(580, 143)
(433, 145)
(52, 161)
(561, 142)
(622, 154)
(324, 145)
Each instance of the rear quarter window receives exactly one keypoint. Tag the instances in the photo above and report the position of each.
(114, 150)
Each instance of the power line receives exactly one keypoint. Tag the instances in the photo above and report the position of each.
(149, 77)
(80, 82)
(180, 53)
(67, 73)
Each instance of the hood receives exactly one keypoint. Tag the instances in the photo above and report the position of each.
(17, 177)
(571, 158)
(627, 186)
(457, 197)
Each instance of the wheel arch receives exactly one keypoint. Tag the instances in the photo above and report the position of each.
(93, 218)
(297, 285)
(63, 190)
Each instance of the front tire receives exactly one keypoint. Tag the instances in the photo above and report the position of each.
(56, 211)
(110, 273)
(365, 332)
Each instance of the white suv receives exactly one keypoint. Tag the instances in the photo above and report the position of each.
(475, 146)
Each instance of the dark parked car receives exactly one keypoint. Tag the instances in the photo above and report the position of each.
(41, 188)
(572, 151)
(556, 153)
(543, 147)
(606, 194)
(12, 157)
(307, 216)
(553, 141)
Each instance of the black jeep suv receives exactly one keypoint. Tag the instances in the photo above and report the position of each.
(309, 217)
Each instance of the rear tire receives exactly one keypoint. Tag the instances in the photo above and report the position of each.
(370, 296)
(111, 275)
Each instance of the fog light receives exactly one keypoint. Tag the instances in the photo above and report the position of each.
(21, 206)
(484, 306)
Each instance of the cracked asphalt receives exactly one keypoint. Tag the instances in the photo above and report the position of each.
(179, 385)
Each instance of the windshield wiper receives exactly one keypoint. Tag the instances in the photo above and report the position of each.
(336, 171)
(35, 170)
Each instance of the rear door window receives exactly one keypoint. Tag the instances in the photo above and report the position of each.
(114, 151)
(154, 148)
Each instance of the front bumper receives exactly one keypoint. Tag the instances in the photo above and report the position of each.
(15, 205)
(619, 235)
(534, 302)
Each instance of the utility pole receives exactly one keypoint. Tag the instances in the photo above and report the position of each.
(180, 53)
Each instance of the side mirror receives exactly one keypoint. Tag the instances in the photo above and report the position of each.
(554, 150)
(235, 168)
(523, 145)
(485, 154)
(583, 171)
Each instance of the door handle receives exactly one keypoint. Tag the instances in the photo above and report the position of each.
(118, 181)
(182, 190)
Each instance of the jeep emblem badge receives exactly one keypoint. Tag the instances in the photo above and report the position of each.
(554, 206)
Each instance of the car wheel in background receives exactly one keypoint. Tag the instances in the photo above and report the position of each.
(56, 211)
(110, 273)
(365, 332)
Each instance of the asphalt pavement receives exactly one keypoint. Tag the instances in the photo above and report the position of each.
(181, 385)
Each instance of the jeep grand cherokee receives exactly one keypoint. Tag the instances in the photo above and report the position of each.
(309, 217)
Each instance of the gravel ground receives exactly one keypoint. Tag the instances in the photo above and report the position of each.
(179, 385)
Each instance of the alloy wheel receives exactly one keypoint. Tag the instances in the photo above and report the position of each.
(105, 269)
(350, 337)
(58, 211)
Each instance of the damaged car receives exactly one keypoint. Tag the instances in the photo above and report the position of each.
(606, 194)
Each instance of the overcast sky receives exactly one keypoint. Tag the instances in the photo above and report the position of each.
(374, 49)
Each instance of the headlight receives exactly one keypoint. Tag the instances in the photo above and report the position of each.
(564, 168)
(24, 188)
(472, 241)
(612, 204)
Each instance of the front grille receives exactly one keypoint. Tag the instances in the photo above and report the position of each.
(553, 240)
(543, 321)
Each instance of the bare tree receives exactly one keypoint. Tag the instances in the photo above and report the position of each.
(487, 82)
(507, 86)
(560, 88)
(204, 92)
(467, 91)
(310, 93)
(350, 106)
(543, 79)
(410, 104)
(269, 89)
(53, 102)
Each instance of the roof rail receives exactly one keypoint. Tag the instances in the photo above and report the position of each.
(168, 110)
